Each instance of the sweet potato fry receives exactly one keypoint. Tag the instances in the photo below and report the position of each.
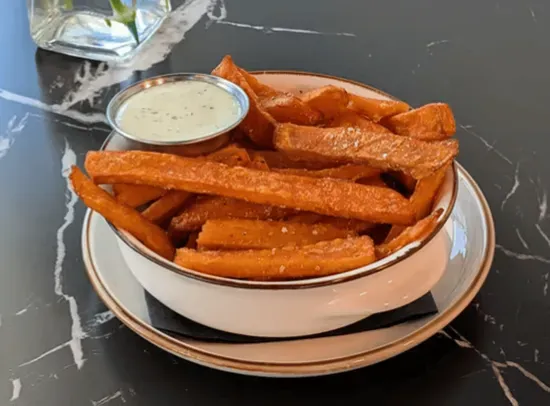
(324, 196)
(410, 234)
(276, 159)
(346, 172)
(215, 207)
(262, 90)
(354, 145)
(166, 207)
(136, 195)
(422, 199)
(121, 216)
(347, 224)
(286, 108)
(254, 234)
(329, 100)
(352, 119)
(376, 109)
(424, 193)
(258, 124)
(393, 233)
(171, 203)
(323, 258)
(431, 122)
(258, 163)
(231, 155)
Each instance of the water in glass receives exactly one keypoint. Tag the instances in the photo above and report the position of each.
(86, 28)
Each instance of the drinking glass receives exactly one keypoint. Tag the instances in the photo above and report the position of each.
(105, 30)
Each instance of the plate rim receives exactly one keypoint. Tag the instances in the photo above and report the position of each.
(312, 368)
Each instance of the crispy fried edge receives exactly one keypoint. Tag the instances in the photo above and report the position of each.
(323, 258)
(242, 234)
(121, 216)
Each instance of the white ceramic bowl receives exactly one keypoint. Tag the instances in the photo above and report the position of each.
(295, 308)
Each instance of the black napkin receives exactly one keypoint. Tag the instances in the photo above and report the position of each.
(164, 319)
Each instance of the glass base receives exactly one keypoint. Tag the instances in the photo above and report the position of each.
(87, 35)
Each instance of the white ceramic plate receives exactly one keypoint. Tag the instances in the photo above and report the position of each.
(470, 230)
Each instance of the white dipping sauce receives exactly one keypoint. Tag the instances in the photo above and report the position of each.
(178, 111)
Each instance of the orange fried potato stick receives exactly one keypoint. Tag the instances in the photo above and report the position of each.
(424, 193)
(217, 207)
(431, 122)
(276, 159)
(258, 124)
(121, 216)
(354, 145)
(417, 232)
(329, 100)
(283, 107)
(169, 204)
(240, 234)
(166, 207)
(347, 224)
(324, 196)
(346, 172)
(136, 195)
(323, 258)
(287, 108)
(376, 109)
(349, 118)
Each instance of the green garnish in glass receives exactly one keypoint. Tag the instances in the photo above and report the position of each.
(121, 13)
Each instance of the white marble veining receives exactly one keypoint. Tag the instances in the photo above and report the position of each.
(45, 354)
(90, 118)
(16, 391)
(514, 188)
(24, 309)
(522, 240)
(77, 333)
(490, 147)
(270, 30)
(71, 125)
(101, 318)
(14, 127)
(103, 401)
(497, 366)
(522, 256)
(435, 43)
(217, 13)
(543, 203)
(543, 234)
(533, 15)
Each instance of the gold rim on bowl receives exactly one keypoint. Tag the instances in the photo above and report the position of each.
(303, 283)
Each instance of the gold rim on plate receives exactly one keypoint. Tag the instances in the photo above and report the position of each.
(197, 355)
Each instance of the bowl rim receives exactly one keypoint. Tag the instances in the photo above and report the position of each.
(122, 96)
(301, 283)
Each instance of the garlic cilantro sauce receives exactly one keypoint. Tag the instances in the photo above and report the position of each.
(178, 111)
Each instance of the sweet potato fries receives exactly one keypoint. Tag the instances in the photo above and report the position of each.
(304, 186)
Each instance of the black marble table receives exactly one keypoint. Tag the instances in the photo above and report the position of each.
(489, 59)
